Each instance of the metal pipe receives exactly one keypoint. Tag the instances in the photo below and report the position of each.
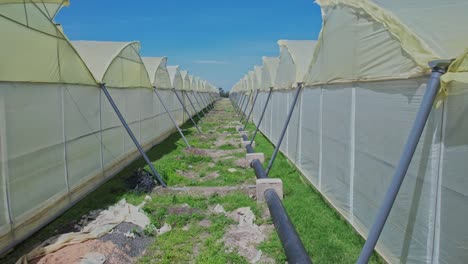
(172, 119)
(132, 136)
(258, 169)
(245, 108)
(261, 117)
(191, 103)
(285, 128)
(292, 244)
(186, 111)
(198, 102)
(208, 104)
(438, 68)
(242, 104)
(203, 102)
(251, 110)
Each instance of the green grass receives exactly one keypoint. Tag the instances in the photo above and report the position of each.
(327, 237)
(177, 246)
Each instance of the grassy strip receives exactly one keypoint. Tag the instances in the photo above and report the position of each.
(327, 237)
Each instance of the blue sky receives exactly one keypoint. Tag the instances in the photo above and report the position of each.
(218, 40)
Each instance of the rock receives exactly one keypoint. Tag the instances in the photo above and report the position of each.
(204, 223)
(219, 209)
(244, 216)
(186, 228)
(232, 170)
(148, 198)
(257, 257)
(93, 258)
(166, 228)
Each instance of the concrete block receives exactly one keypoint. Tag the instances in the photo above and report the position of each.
(265, 184)
(245, 143)
(255, 156)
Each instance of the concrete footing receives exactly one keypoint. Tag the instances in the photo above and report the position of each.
(265, 184)
(245, 143)
(255, 156)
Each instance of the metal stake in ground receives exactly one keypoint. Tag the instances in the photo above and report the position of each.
(132, 136)
(172, 119)
(186, 111)
(251, 110)
(286, 124)
(261, 117)
(194, 109)
(438, 68)
(245, 108)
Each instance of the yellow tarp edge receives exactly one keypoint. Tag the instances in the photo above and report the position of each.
(457, 72)
(412, 44)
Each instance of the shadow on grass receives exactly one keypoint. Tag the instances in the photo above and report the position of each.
(107, 194)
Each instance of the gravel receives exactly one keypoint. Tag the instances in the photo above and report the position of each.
(133, 247)
(141, 182)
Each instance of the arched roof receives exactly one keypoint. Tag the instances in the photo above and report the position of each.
(295, 58)
(34, 49)
(118, 64)
(269, 70)
(157, 71)
(186, 80)
(176, 78)
(386, 39)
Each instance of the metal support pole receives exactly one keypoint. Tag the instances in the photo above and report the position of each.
(251, 110)
(261, 117)
(172, 119)
(245, 108)
(286, 124)
(438, 68)
(132, 136)
(194, 109)
(205, 100)
(241, 104)
(198, 102)
(186, 111)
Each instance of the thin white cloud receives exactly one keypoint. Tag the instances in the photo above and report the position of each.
(209, 62)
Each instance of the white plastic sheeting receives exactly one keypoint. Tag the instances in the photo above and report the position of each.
(59, 136)
(364, 86)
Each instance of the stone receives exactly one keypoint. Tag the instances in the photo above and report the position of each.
(166, 228)
(219, 209)
(263, 184)
(232, 170)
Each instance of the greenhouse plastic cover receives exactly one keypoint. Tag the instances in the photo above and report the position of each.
(59, 136)
(186, 80)
(354, 116)
(295, 57)
(270, 67)
(50, 48)
(390, 39)
(157, 71)
(176, 78)
(117, 64)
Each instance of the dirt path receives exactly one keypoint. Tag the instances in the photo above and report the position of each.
(208, 214)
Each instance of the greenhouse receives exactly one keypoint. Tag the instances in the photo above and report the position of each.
(369, 89)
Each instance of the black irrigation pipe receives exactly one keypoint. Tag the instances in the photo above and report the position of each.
(292, 244)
